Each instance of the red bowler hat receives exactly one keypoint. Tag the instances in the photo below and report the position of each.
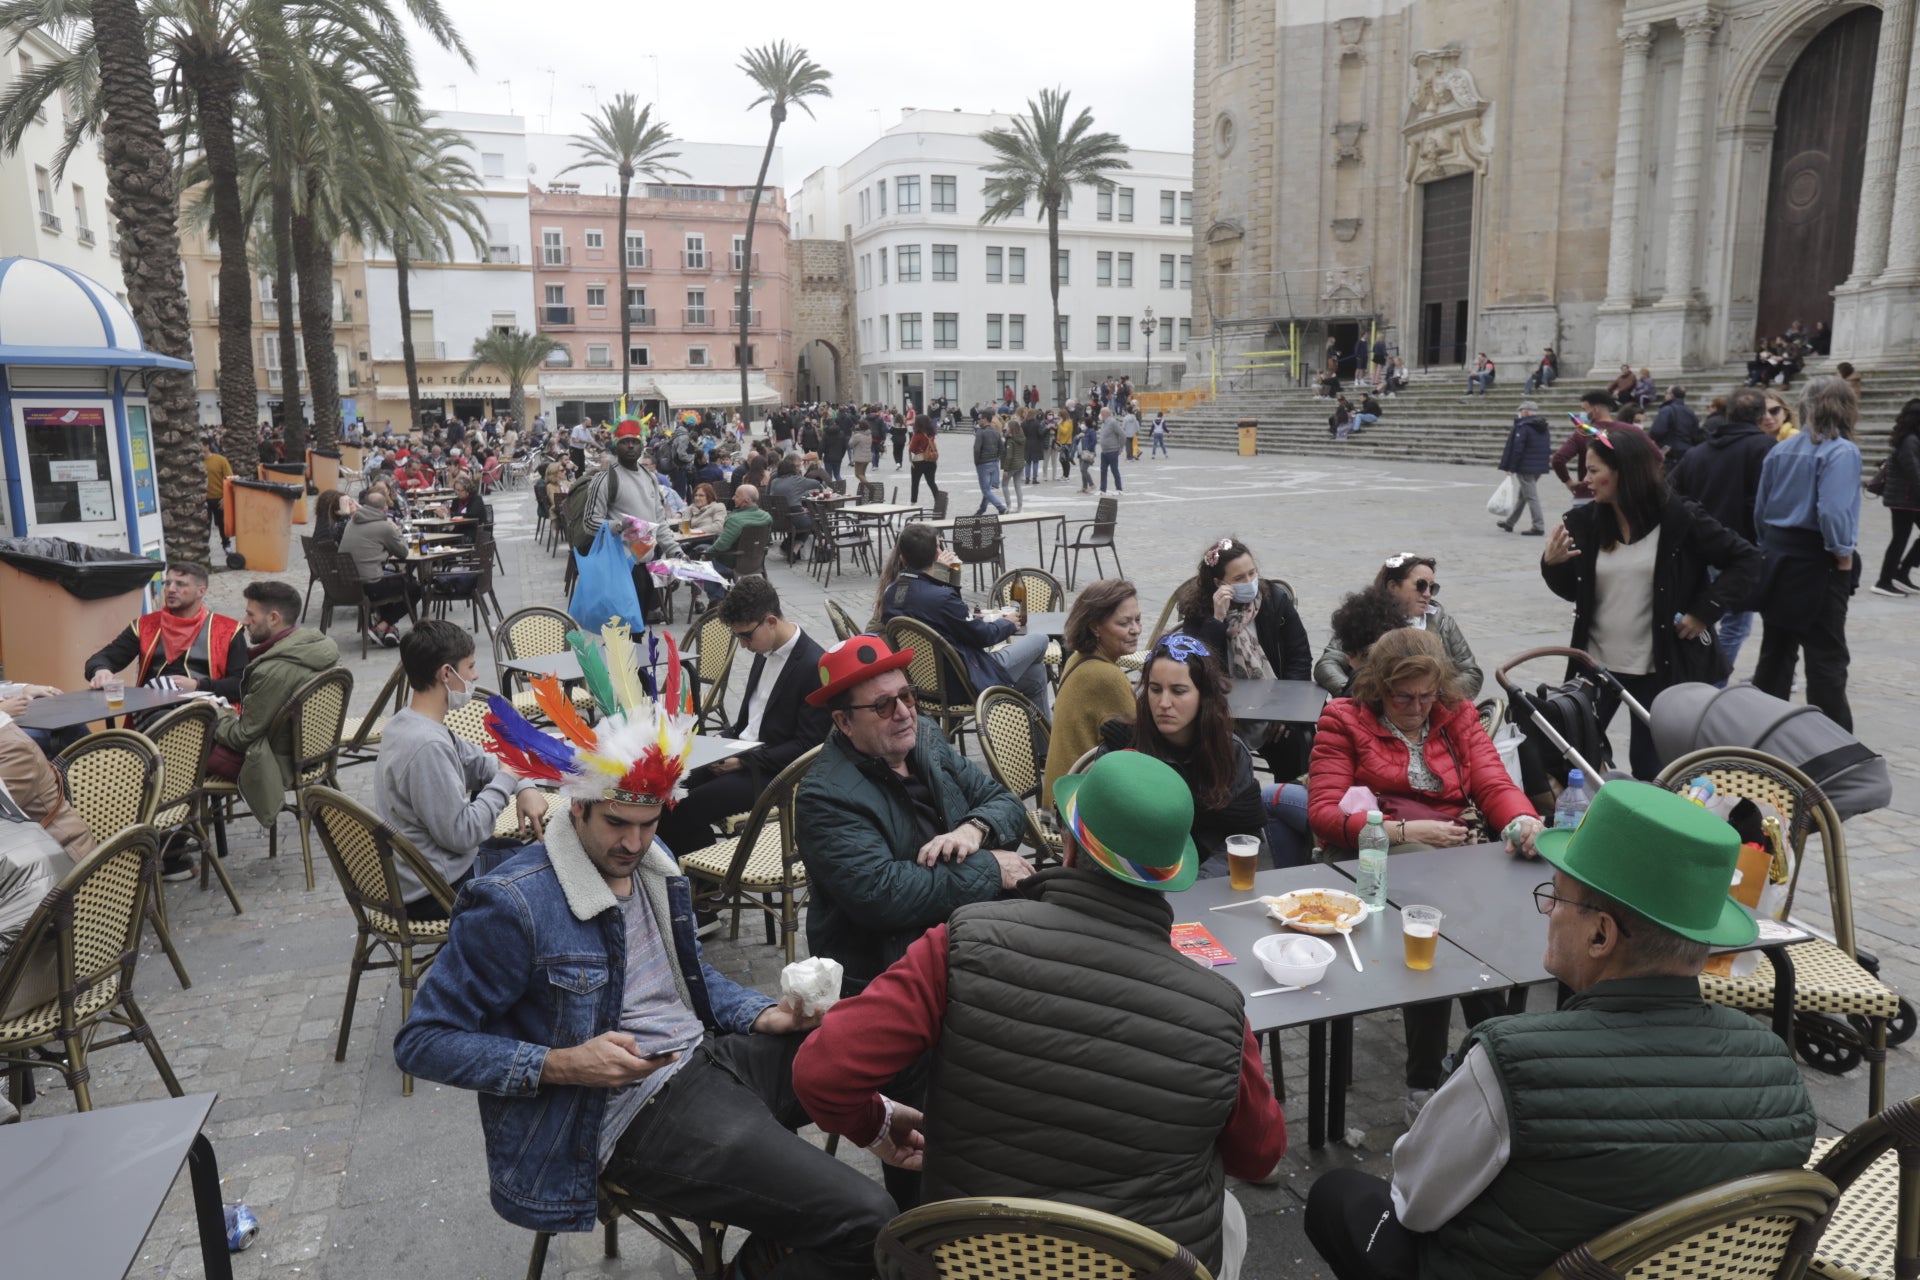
(853, 660)
(627, 427)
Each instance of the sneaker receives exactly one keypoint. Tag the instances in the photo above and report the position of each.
(1905, 580)
(390, 639)
(1534, 533)
(1417, 1100)
(176, 866)
(1887, 589)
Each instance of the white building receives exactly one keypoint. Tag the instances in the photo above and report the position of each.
(949, 308)
(66, 223)
(455, 301)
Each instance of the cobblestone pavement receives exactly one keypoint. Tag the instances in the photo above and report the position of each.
(350, 1179)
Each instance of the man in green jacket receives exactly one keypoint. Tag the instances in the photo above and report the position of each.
(1555, 1127)
(281, 660)
(896, 827)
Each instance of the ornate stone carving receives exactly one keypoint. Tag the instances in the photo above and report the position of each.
(1345, 229)
(1352, 32)
(1347, 136)
(1444, 128)
(1346, 290)
(1636, 39)
(1225, 231)
(1702, 23)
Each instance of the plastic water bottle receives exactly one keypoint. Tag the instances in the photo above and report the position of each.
(1372, 883)
(1572, 805)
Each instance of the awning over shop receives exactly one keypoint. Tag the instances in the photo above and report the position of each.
(683, 393)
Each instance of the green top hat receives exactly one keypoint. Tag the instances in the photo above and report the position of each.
(1660, 854)
(1133, 815)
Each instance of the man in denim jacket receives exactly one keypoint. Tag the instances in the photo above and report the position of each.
(572, 997)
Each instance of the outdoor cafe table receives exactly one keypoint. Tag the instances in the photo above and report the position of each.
(1048, 624)
(1038, 519)
(84, 706)
(1281, 701)
(881, 515)
(1339, 996)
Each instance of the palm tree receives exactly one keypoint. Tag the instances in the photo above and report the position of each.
(518, 355)
(786, 77)
(1042, 158)
(624, 136)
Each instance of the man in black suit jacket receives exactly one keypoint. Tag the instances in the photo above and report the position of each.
(774, 712)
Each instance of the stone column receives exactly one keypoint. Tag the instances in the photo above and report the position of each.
(1903, 237)
(1689, 155)
(1884, 137)
(1622, 246)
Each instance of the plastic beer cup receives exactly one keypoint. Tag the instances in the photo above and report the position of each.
(116, 690)
(1243, 859)
(1420, 932)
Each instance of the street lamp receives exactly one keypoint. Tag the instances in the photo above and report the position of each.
(1147, 325)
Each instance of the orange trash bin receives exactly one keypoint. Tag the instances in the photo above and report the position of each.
(294, 475)
(61, 601)
(262, 519)
(323, 470)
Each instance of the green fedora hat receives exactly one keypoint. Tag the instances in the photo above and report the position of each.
(1661, 854)
(1133, 815)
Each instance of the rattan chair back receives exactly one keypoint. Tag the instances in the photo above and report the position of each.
(1762, 1225)
(995, 1238)
(938, 676)
(184, 739)
(469, 723)
(712, 644)
(1875, 1229)
(533, 632)
(359, 745)
(1045, 594)
(1014, 739)
(774, 805)
(844, 627)
(112, 779)
(366, 854)
(315, 715)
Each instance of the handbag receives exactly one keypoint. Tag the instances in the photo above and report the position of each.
(605, 591)
(1877, 483)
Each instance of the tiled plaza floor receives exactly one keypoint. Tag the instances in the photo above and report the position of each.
(350, 1179)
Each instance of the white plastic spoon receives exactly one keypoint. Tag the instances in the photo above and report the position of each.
(1347, 933)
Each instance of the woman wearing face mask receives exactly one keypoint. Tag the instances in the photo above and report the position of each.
(1253, 624)
(1413, 582)
(442, 792)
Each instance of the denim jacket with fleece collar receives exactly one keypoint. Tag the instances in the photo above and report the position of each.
(536, 960)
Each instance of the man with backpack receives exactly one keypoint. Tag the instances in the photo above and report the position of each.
(623, 489)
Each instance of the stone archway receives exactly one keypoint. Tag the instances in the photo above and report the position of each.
(823, 314)
(823, 371)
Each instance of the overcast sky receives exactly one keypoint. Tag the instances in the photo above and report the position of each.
(1132, 64)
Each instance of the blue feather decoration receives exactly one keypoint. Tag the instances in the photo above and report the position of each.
(525, 749)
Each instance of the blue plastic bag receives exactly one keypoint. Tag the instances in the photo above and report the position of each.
(605, 590)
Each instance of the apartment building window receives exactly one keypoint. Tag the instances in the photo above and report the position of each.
(80, 227)
(994, 326)
(637, 299)
(1103, 333)
(1016, 266)
(994, 265)
(946, 193)
(1166, 271)
(909, 330)
(1229, 30)
(504, 322)
(596, 295)
(906, 194)
(881, 188)
(907, 263)
(1066, 332)
(1007, 380)
(883, 264)
(560, 358)
(599, 356)
(696, 357)
(740, 253)
(696, 306)
(866, 271)
(1063, 264)
(1166, 208)
(1186, 208)
(738, 351)
(1186, 332)
(866, 207)
(1016, 332)
(1123, 270)
(946, 385)
(1066, 203)
(1124, 196)
(639, 357)
(1166, 336)
(1123, 333)
(1102, 270)
(43, 190)
(422, 330)
(26, 69)
(1186, 271)
(886, 333)
(636, 249)
(556, 295)
(553, 252)
(946, 330)
(696, 259)
(946, 262)
(1103, 205)
(596, 239)
(270, 355)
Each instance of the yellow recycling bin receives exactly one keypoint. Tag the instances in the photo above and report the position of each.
(1249, 437)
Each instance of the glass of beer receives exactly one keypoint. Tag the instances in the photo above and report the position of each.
(1243, 859)
(1420, 932)
(116, 690)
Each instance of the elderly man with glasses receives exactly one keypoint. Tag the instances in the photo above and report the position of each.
(1557, 1126)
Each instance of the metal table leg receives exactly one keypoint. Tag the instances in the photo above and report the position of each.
(207, 1209)
(1316, 1085)
(1342, 1068)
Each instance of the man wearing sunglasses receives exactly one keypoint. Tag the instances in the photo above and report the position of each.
(1557, 1126)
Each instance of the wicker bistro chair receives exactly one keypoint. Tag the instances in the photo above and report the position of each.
(89, 925)
(315, 715)
(979, 541)
(759, 867)
(1096, 536)
(113, 779)
(1874, 1233)
(706, 654)
(844, 627)
(1763, 1225)
(701, 1249)
(939, 678)
(996, 1238)
(1168, 618)
(534, 632)
(1044, 595)
(360, 735)
(184, 738)
(365, 853)
(1014, 738)
(1841, 1011)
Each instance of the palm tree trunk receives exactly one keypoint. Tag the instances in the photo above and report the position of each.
(626, 315)
(282, 214)
(746, 262)
(314, 254)
(145, 205)
(214, 89)
(405, 290)
(1053, 288)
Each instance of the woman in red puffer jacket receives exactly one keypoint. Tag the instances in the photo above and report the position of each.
(1406, 695)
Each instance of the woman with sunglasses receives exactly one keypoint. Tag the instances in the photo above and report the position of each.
(1252, 624)
(1778, 420)
(1411, 581)
(1102, 628)
(1649, 573)
(1181, 718)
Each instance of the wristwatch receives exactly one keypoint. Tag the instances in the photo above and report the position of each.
(986, 832)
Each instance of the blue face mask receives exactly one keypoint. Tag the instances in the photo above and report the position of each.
(1246, 592)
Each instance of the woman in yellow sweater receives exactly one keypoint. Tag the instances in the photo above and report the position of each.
(1103, 626)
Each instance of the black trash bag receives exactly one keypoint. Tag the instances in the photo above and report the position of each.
(284, 490)
(86, 571)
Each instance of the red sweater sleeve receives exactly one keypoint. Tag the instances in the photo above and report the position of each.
(868, 1039)
(1256, 1134)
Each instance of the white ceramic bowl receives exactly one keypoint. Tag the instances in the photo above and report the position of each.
(1294, 960)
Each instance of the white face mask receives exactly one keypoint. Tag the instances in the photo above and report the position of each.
(457, 698)
(1245, 592)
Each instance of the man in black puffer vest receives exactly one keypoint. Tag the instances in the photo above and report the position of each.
(1556, 1127)
(1077, 1056)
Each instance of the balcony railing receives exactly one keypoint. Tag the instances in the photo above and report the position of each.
(550, 315)
(273, 379)
(353, 378)
(84, 235)
(50, 222)
(556, 257)
(693, 260)
(753, 317)
(733, 260)
(421, 351)
(639, 259)
(642, 317)
(697, 317)
(213, 307)
(501, 254)
(343, 313)
(113, 244)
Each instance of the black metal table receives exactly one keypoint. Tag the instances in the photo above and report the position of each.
(84, 706)
(1052, 624)
(1278, 701)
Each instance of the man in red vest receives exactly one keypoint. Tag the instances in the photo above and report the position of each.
(183, 644)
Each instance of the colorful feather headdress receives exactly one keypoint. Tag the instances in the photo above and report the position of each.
(638, 752)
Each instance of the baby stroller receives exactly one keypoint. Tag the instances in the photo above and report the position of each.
(1560, 723)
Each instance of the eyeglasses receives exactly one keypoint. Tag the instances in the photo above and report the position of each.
(1544, 897)
(1426, 587)
(884, 707)
(748, 633)
(1413, 699)
(1779, 409)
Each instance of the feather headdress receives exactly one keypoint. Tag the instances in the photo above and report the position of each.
(636, 754)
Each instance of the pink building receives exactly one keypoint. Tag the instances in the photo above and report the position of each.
(683, 255)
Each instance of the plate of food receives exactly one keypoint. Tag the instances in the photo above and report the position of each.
(1317, 910)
